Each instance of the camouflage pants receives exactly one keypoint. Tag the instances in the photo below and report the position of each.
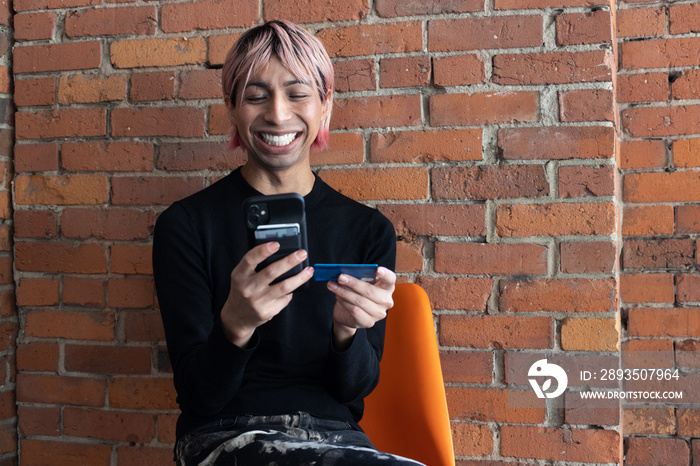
(286, 440)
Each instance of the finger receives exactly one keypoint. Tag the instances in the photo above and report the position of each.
(287, 286)
(379, 292)
(256, 255)
(281, 266)
(357, 302)
(386, 279)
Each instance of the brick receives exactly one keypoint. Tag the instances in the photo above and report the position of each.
(489, 182)
(647, 220)
(84, 291)
(559, 219)
(39, 421)
(496, 331)
(114, 157)
(131, 292)
(57, 57)
(657, 254)
(552, 68)
(94, 359)
(646, 288)
(61, 190)
(586, 105)
(26, 5)
(38, 356)
(219, 120)
(492, 405)
(642, 154)
(65, 453)
(586, 181)
(458, 70)
(355, 75)
(372, 39)
(457, 293)
(661, 121)
(667, 322)
(6, 272)
(517, 364)
(37, 292)
(345, 148)
(490, 259)
(153, 190)
(467, 366)
(426, 146)
(688, 354)
(131, 259)
(688, 422)
(656, 452)
(36, 224)
(7, 405)
(528, 4)
(660, 53)
(64, 123)
(76, 325)
(36, 157)
(143, 325)
(142, 393)
(645, 87)
(219, 47)
(601, 334)
(437, 220)
(556, 143)
(200, 84)
(558, 295)
(483, 109)
(687, 85)
(88, 88)
(138, 455)
(208, 14)
(109, 425)
(647, 354)
(188, 156)
(185, 122)
(314, 11)
(379, 183)
(34, 26)
(688, 288)
(166, 428)
(37, 91)
(648, 420)
(684, 19)
(588, 257)
(687, 219)
(472, 439)
(139, 53)
(125, 20)
(57, 389)
(395, 8)
(641, 22)
(157, 85)
(60, 257)
(379, 111)
(409, 256)
(113, 223)
(404, 71)
(686, 153)
(490, 32)
(561, 444)
(591, 412)
(679, 186)
(593, 27)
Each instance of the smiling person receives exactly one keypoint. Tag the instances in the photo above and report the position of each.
(273, 373)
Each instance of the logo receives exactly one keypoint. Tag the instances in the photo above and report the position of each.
(543, 369)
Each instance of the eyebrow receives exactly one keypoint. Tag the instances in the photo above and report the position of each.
(264, 85)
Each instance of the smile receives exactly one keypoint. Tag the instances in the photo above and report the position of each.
(279, 141)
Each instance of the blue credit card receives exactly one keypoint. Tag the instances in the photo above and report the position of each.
(330, 272)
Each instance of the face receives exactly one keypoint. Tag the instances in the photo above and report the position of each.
(278, 117)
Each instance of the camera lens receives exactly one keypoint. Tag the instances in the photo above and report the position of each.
(254, 219)
(254, 209)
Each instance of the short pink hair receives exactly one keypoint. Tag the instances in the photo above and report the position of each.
(298, 50)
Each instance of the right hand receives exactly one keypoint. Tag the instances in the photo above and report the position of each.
(252, 301)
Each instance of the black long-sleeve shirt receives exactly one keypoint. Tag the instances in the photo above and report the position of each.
(290, 365)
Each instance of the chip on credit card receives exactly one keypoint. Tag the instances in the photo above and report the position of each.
(330, 272)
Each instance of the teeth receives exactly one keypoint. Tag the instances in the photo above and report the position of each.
(278, 140)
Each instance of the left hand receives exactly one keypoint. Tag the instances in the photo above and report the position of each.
(359, 304)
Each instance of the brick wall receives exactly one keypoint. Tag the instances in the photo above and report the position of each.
(511, 142)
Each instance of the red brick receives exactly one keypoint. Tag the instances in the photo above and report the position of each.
(219, 120)
(37, 292)
(657, 253)
(142, 393)
(585, 181)
(588, 257)
(35, 224)
(669, 322)
(467, 366)
(557, 142)
(77, 325)
(600, 334)
(646, 87)
(61, 190)
(660, 53)
(496, 331)
(83, 291)
(529, 4)
(158, 85)
(143, 326)
(490, 259)
(489, 182)
(483, 109)
(686, 153)
(688, 288)
(591, 412)
(379, 183)
(471, 294)
(684, 19)
(394, 8)
(492, 405)
(437, 220)
(38, 356)
(560, 219)
(219, 47)
(647, 220)
(458, 70)
(409, 255)
(108, 359)
(115, 224)
(662, 121)
(380, 111)
(188, 156)
(646, 288)
(131, 259)
(8, 305)
(490, 32)
(26, 5)
(200, 84)
(641, 22)
(561, 444)
(313, 11)
(687, 85)
(131, 292)
(153, 190)
(138, 53)
(552, 68)
(687, 219)
(586, 105)
(6, 272)
(558, 295)
(345, 148)
(115, 156)
(88, 88)
(166, 428)
(472, 439)
(426, 146)
(688, 422)
(39, 421)
(186, 122)
(57, 389)
(372, 39)
(125, 20)
(57, 57)
(139, 455)
(208, 14)
(642, 154)
(680, 186)
(355, 75)
(65, 453)
(36, 157)
(64, 123)
(34, 26)
(584, 28)
(60, 257)
(648, 420)
(517, 364)
(404, 71)
(37, 91)
(656, 452)
(688, 354)
(109, 425)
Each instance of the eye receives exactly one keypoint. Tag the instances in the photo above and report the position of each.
(255, 98)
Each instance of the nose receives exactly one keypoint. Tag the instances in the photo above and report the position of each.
(278, 109)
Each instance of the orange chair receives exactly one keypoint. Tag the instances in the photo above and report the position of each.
(407, 413)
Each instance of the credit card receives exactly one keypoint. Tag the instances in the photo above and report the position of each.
(330, 272)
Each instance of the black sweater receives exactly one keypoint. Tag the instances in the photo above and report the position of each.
(290, 365)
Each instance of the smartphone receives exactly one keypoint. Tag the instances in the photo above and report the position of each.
(330, 272)
(281, 218)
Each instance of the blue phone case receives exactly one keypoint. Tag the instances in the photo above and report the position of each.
(330, 272)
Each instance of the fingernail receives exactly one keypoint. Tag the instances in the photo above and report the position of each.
(273, 246)
(332, 285)
(342, 278)
(301, 255)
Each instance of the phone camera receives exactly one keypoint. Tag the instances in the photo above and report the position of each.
(257, 214)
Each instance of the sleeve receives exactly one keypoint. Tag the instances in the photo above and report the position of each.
(354, 373)
(207, 368)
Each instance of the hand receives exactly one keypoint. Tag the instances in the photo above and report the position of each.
(252, 301)
(360, 304)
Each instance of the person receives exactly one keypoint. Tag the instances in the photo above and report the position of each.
(273, 373)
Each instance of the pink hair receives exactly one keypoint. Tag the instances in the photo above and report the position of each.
(299, 51)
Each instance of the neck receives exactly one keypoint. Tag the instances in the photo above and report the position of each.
(292, 180)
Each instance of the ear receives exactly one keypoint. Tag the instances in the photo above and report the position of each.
(327, 107)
